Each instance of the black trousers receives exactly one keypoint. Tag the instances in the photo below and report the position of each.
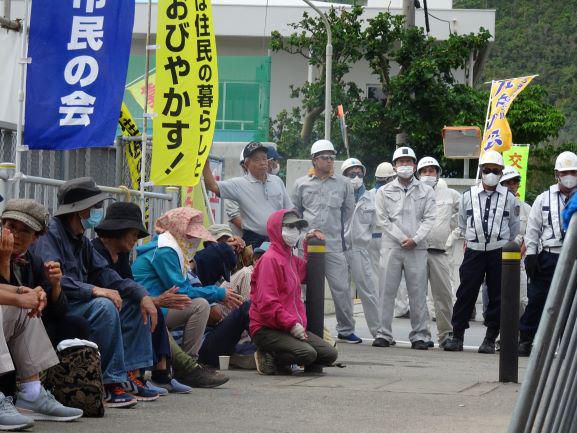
(66, 327)
(478, 266)
(253, 239)
(537, 292)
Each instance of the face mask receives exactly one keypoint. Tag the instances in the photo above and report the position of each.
(491, 179)
(405, 171)
(569, 181)
(291, 235)
(429, 180)
(94, 219)
(357, 182)
(275, 170)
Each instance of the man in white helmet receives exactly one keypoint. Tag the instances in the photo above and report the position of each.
(405, 210)
(544, 239)
(326, 201)
(488, 219)
(358, 234)
(438, 264)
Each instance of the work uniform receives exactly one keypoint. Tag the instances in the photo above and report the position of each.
(544, 236)
(358, 235)
(402, 213)
(488, 220)
(438, 262)
(328, 205)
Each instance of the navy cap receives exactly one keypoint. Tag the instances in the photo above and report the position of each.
(272, 153)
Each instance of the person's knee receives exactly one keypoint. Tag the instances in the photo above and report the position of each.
(200, 306)
(327, 355)
(305, 355)
(104, 306)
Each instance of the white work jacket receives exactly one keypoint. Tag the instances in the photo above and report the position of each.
(359, 230)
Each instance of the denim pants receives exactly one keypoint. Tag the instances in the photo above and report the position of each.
(123, 339)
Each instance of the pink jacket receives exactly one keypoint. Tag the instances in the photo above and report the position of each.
(275, 284)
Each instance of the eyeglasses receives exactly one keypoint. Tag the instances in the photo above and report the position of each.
(293, 226)
(493, 171)
(353, 175)
(326, 157)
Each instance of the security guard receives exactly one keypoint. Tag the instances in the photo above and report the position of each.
(358, 234)
(326, 201)
(544, 239)
(489, 219)
(405, 210)
(438, 267)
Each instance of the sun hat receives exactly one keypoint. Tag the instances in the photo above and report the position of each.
(182, 223)
(77, 195)
(122, 216)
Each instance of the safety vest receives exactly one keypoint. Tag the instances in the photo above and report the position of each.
(494, 231)
(552, 233)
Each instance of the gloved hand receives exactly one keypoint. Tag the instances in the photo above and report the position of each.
(298, 331)
(532, 265)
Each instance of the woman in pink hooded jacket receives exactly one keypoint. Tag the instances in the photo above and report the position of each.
(277, 314)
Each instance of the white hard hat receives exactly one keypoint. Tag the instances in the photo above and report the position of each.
(566, 161)
(352, 162)
(385, 169)
(509, 173)
(242, 155)
(428, 161)
(322, 146)
(404, 152)
(491, 157)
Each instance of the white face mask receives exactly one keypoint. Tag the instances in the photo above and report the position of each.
(429, 180)
(357, 182)
(291, 235)
(275, 170)
(491, 179)
(405, 171)
(568, 181)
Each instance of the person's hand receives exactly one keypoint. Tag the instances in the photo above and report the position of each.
(315, 233)
(232, 299)
(113, 295)
(236, 243)
(42, 302)
(523, 249)
(53, 273)
(408, 244)
(6, 245)
(216, 315)
(149, 312)
(298, 331)
(28, 299)
(172, 300)
(532, 266)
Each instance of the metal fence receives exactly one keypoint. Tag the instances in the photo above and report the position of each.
(547, 400)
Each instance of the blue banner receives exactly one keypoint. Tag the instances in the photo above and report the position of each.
(75, 83)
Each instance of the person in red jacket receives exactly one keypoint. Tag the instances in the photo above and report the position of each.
(278, 319)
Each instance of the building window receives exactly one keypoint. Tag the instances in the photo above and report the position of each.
(375, 91)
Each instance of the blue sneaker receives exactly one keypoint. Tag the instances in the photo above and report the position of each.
(351, 339)
(115, 396)
(175, 387)
(159, 389)
(136, 388)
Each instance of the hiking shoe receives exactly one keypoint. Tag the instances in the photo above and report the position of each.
(46, 408)
(430, 344)
(525, 348)
(265, 363)
(135, 387)
(159, 389)
(10, 418)
(381, 342)
(453, 344)
(201, 377)
(488, 346)
(174, 387)
(420, 345)
(351, 339)
(115, 396)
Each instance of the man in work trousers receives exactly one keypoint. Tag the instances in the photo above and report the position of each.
(438, 267)
(405, 210)
(489, 219)
(326, 201)
(544, 239)
(358, 235)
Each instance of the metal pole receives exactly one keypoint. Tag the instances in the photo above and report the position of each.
(144, 142)
(328, 69)
(510, 283)
(409, 13)
(5, 21)
(315, 292)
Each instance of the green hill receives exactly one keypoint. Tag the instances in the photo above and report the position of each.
(536, 37)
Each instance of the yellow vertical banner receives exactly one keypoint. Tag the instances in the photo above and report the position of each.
(518, 158)
(497, 131)
(186, 92)
(133, 149)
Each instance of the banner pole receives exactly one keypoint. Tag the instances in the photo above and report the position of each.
(485, 127)
(144, 142)
(21, 100)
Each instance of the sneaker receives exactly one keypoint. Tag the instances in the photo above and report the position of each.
(381, 342)
(265, 363)
(135, 387)
(430, 344)
(46, 408)
(420, 345)
(453, 344)
(201, 377)
(175, 387)
(351, 339)
(159, 389)
(488, 346)
(115, 396)
(10, 418)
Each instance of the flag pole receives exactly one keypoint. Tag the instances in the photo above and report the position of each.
(485, 127)
(144, 143)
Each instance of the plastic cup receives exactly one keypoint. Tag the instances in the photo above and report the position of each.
(223, 362)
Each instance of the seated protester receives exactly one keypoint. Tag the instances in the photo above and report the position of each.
(164, 262)
(120, 311)
(117, 236)
(224, 235)
(277, 314)
(24, 221)
(215, 262)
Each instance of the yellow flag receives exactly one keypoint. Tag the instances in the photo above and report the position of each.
(186, 92)
(518, 158)
(497, 131)
(137, 89)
